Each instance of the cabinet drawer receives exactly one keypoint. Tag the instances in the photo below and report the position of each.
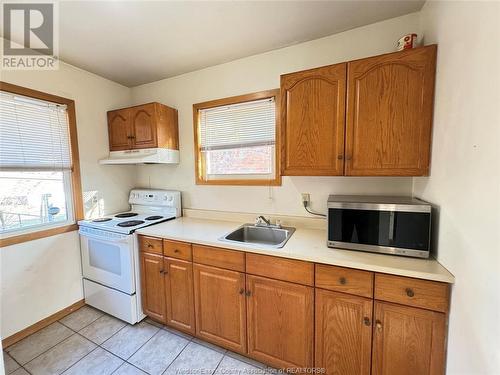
(150, 245)
(217, 257)
(176, 249)
(295, 271)
(426, 294)
(345, 280)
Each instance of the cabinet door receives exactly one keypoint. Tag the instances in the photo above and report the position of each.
(143, 121)
(280, 322)
(153, 286)
(119, 130)
(313, 119)
(389, 114)
(220, 306)
(179, 294)
(407, 340)
(343, 333)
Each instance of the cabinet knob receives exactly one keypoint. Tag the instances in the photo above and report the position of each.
(378, 324)
(409, 292)
(162, 272)
(176, 250)
(150, 246)
(348, 157)
(366, 321)
(340, 157)
(248, 293)
(242, 291)
(343, 281)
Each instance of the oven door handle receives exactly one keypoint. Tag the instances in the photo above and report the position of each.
(107, 239)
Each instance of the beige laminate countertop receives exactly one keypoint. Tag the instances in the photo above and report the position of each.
(305, 244)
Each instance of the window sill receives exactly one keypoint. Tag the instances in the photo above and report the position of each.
(37, 235)
(274, 182)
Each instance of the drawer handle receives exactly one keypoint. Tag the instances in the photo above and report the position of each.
(150, 246)
(343, 281)
(378, 324)
(366, 321)
(242, 291)
(409, 292)
(176, 250)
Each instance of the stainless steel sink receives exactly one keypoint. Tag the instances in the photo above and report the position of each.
(271, 237)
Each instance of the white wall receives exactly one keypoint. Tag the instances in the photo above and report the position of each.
(41, 277)
(465, 175)
(256, 73)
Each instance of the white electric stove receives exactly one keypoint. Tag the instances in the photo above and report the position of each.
(110, 252)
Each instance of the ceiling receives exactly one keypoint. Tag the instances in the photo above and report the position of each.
(136, 42)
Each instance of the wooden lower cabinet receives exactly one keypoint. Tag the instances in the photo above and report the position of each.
(408, 340)
(349, 322)
(153, 286)
(219, 296)
(280, 322)
(343, 333)
(179, 295)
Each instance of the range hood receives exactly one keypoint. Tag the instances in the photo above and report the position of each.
(143, 156)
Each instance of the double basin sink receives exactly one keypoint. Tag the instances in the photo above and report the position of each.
(266, 236)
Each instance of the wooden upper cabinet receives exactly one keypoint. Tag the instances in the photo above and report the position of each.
(313, 118)
(280, 322)
(179, 294)
(119, 130)
(144, 126)
(343, 333)
(389, 113)
(153, 286)
(408, 340)
(219, 297)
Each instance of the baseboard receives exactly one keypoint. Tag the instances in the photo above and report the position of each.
(8, 341)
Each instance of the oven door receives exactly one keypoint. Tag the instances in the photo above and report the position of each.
(108, 258)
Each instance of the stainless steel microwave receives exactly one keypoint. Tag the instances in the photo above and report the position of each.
(390, 225)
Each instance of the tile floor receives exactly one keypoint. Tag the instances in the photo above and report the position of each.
(90, 342)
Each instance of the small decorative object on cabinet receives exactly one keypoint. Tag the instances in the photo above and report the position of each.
(146, 133)
(368, 117)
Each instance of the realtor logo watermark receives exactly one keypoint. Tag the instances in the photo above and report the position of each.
(30, 36)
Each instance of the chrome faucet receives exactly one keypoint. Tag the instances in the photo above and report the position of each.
(261, 221)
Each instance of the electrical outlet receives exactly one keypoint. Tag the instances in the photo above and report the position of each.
(306, 198)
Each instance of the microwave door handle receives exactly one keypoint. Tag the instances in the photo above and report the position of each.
(391, 227)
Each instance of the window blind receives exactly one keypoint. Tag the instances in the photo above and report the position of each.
(238, 125)
(34, 134)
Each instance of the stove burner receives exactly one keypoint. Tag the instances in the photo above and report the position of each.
(130, 223)
(101, 219)
(126, 214)
(154, 217)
